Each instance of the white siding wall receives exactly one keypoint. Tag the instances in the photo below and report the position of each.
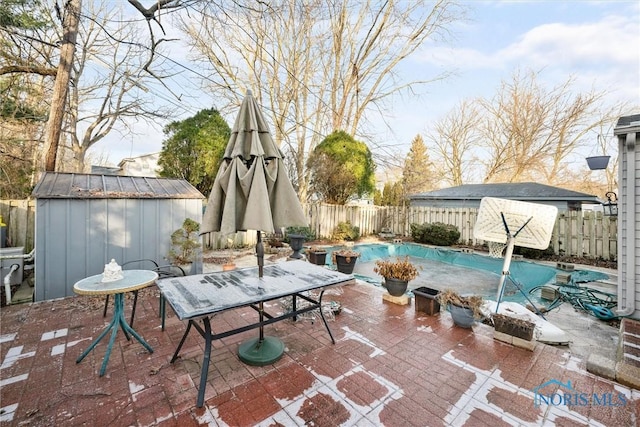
(629, 231)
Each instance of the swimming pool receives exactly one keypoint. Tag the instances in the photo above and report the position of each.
(468, 273)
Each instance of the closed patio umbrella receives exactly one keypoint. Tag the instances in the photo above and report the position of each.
(252, 192)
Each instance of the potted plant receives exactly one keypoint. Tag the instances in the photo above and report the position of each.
(316, 255)
(184, 243)
(465, 310)
(514, 326)
(345, 260)
(396, 274)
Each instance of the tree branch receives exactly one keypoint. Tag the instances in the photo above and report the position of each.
(32, 69)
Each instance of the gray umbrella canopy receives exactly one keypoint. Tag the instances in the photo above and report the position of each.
(252, 190)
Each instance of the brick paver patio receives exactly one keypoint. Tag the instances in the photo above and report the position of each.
(390, 366)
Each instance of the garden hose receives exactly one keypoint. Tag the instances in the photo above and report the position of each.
(593, 301)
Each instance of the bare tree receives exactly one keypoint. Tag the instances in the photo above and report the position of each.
(453, 141)
(70, 22)
(316, 66)
(109, 81)
(526, 132)
(530, 131)
(111, 85)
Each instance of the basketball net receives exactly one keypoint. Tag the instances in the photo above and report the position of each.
(496, 249)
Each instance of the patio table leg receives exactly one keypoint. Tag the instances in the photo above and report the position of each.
(163, 309)
(205, 362)
(326, 325)
(117, 322)
(93, 344)
(184, 337)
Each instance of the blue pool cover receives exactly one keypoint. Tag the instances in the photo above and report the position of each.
(528, 274)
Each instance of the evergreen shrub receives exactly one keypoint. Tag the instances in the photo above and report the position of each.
(436, 233)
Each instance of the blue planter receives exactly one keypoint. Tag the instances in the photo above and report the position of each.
(598, 162)
(462, 316)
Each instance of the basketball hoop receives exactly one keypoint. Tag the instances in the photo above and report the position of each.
(496, 249)
(512, 219)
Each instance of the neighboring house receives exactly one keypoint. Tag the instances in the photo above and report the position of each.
(628, 132)
(144, 165)
(470, 195)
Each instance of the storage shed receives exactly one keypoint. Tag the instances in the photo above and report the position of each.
(83, 221)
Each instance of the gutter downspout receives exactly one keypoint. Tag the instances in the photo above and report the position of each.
(630, 203)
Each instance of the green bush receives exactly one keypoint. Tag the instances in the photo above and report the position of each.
(534, 253)
(345, 231)
(436, 233)
(308, 234)
(185, 243)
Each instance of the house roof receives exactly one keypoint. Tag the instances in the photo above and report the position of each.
(154, 156)
(55, 185)
(525, 191)
(626, 124)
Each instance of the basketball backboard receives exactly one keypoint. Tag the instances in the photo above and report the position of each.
(536, 234)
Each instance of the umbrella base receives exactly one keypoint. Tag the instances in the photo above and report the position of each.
(260, 353)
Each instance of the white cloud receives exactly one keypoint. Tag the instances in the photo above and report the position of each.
(613, 40)
(602, 54)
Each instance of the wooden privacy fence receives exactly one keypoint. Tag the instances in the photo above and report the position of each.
(583, 234)
(20, 216)
(576, 233)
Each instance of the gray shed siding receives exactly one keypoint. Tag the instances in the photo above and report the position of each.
(628, 132)
(75, 236)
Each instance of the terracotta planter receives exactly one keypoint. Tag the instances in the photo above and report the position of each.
(318, 258)
(462, 316)
(396, 287)
(228, 266)
(345, 264)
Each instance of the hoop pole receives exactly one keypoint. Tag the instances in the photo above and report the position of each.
(505, 268)
(523, 226)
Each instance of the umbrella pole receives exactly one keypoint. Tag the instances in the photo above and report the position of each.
(260, 254)
(263, 350)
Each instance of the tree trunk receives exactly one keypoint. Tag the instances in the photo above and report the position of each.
(58, 101)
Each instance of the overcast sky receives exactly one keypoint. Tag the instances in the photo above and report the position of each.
(595, 42)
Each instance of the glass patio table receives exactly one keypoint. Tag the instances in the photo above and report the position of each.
(132, 280)
(199, 297)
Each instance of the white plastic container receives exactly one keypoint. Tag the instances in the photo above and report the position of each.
(6, 263)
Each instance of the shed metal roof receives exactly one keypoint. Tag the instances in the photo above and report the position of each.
(55, 185)
(521, 191)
